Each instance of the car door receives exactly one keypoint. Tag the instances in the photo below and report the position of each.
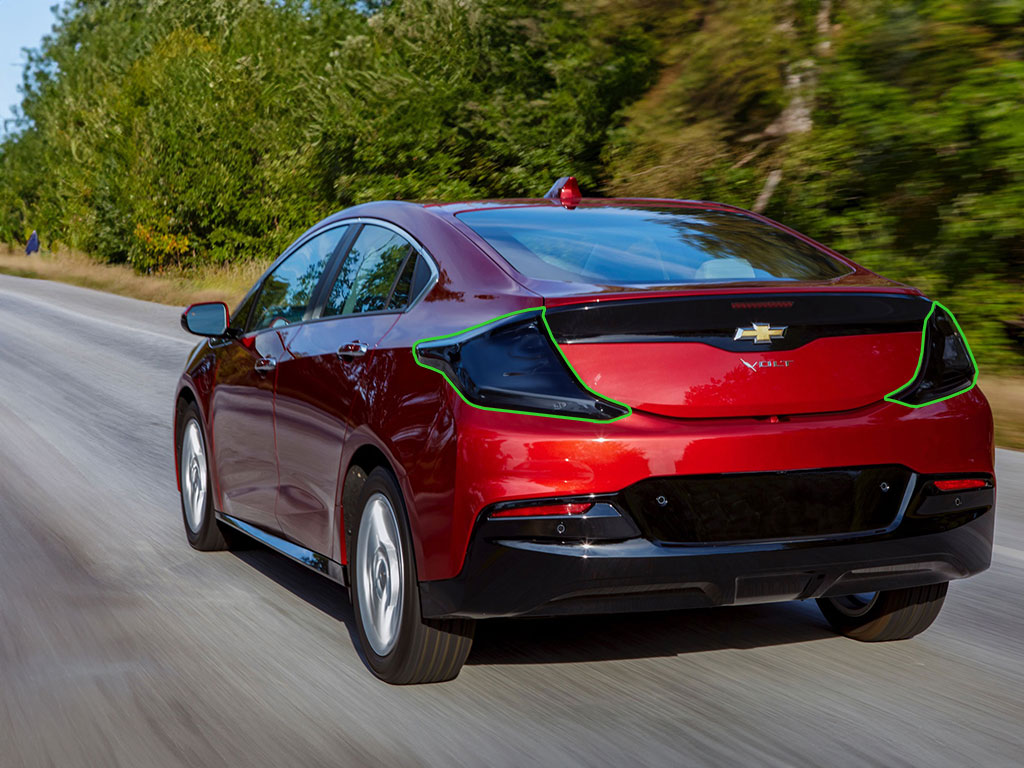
(321, 374)
(242, 409)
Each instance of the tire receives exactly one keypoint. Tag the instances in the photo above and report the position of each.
(400, 646)
(201, 527)
(896, 614)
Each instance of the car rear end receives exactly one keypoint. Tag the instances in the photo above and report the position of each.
(708, 409)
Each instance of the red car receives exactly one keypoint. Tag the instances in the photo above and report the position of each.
(563, 405)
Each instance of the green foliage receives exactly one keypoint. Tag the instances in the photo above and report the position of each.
(916, 163)
(913, 163)
(167, 133)
(178, 132)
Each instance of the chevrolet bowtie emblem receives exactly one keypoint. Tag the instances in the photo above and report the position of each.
(761, 333)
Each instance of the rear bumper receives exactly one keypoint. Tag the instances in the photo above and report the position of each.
(937, 540)
(503, 457)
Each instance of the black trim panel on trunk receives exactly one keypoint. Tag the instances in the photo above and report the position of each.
(713, 320)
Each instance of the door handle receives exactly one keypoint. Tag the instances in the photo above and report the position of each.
(352, 349)
(265, 365)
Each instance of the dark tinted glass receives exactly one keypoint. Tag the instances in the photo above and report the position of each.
(645, 246)
(365, 280)
(288, 289)
(403, 286)
(240, 318)
(421, 277)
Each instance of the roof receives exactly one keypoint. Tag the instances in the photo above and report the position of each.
(454, 208)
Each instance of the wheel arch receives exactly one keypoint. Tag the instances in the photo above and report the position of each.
(365, 451)
(182, 400)
(186, 396)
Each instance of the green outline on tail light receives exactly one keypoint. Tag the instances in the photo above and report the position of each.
(920, 361)
(543, 317)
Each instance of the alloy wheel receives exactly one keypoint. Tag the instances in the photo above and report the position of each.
(193, 475)
(379, 577)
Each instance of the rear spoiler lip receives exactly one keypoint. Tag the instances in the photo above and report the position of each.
(721, 289)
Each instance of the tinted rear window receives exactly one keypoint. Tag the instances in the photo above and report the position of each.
(634, 246)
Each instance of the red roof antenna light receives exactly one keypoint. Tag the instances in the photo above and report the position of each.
(566, 192)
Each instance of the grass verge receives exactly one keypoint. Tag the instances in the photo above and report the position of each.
(177, 288)
(229, 284)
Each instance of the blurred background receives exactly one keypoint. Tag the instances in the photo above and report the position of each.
(168, 149)
(194, 139)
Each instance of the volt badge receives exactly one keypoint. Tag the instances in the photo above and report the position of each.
(759, 364)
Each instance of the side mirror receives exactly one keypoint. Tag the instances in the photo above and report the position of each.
(209, 319)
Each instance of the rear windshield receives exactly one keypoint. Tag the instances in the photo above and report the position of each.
(646, 246)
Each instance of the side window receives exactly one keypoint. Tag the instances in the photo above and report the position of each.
(414, 278)
(287, 291)
(240, 318)
(377, 258)
(403, 286)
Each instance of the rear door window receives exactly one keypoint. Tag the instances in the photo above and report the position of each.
(287, 291)
(378, 274)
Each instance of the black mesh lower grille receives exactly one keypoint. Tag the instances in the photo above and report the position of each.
(766, 505)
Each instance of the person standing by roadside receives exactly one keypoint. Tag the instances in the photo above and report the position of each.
(33, 244)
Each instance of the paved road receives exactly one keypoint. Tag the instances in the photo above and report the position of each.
(120, 646)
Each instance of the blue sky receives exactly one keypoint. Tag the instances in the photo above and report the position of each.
(22, 25)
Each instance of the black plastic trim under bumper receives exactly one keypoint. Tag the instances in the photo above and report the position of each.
(524, 577)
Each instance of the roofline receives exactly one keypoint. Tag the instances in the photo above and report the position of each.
(526, 201)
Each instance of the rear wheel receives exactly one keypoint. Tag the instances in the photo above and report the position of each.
(400, 646)
(201, 526)
(895, 614)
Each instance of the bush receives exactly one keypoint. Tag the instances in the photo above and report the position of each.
(172, 133)
(177, 133)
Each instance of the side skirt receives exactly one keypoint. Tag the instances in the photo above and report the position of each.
(313, 560)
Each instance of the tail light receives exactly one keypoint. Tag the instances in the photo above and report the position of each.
(513, 364)
(566, 520)
(963, 484)
(946, 367)
(543, 510)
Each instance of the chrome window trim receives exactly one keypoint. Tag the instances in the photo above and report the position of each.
(257, 287)
(435, 273)
(310, 234)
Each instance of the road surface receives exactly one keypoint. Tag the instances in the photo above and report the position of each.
(121, 646)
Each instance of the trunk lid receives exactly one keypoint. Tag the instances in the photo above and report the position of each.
(743, 355)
